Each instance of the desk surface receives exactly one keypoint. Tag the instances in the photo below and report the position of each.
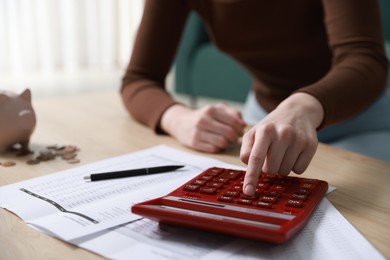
(100, 126)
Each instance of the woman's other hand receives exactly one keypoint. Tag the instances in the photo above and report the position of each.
(208, 129)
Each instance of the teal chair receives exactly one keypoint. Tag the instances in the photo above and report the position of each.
(203, 71)
(385, 5)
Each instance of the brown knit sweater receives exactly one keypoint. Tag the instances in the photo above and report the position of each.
(331, 49)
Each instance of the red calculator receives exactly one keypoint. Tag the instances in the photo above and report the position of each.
(214, 201)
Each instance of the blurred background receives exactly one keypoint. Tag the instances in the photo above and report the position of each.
(58, 47)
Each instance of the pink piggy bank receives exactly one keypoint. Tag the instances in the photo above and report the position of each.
(17, 120)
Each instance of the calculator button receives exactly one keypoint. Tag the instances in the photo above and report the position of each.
(259, 192)
(266, 179)
(220, 179)
(303, 191)
(232, 193)
(283, 182)
(217, 185)
(269, 199)
(206, 177)
(231, 174)
(225, 198)
(289, 211)
(262, 204)
(237, 187)
(199, 182)
(214, 172)
(262, 185)
(273, 193)
(279, 188)
(191, 187)
(249, 197)
(295, 203)
(208, 190)
(299, 197)
(306, 186)
(308, 180)
(244, 201)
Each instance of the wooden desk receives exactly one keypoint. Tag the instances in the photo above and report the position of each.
(100, 126)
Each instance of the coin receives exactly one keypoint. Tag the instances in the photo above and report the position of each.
(68, 156)
(24, 152)
(73, 161)
(71, 148)
(33, 161)
(66, 152)
(46, 156)
(8, 164)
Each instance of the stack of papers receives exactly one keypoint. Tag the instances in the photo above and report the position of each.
(96, 215)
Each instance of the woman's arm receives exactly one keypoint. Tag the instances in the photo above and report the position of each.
(143, 85)
(359, 66)
(209, 129)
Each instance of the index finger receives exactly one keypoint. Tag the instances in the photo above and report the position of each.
(255, 164)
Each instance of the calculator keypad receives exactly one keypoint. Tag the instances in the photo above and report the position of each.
(283, 194)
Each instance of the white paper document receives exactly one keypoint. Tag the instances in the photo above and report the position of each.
(327, 235)
(96, 215)
(67, 206)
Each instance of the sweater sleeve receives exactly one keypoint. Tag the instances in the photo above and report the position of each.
(143, 85)
(359, 65)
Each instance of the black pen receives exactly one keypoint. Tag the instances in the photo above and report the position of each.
(131, 173)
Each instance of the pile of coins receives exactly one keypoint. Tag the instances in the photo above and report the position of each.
(7, 164)
(67, 153)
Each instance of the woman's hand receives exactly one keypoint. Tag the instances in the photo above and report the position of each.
(208, 129)
(284, 141)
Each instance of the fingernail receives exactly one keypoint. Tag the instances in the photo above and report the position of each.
(249, 189)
